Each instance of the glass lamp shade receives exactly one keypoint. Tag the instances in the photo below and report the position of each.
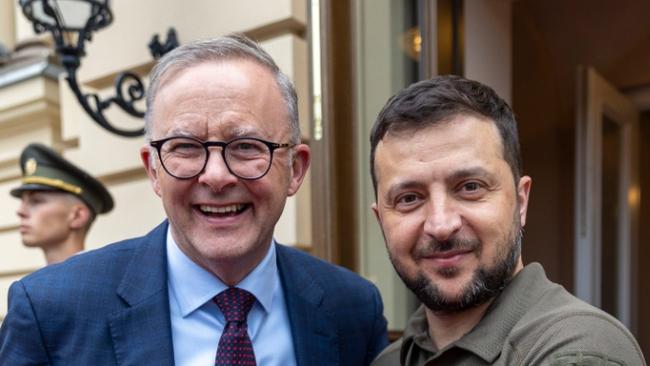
(68, 15)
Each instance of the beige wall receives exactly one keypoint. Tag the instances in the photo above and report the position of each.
(7, 37)
(44, 110)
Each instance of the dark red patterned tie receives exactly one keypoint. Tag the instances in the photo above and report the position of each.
(235, 346)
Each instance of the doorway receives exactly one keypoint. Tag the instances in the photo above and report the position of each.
(607, 199)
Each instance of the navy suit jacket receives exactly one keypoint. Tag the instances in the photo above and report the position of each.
(111, 307)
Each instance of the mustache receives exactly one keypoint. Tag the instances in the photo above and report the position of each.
(434, 246)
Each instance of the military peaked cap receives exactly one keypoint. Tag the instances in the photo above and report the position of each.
(45, 170)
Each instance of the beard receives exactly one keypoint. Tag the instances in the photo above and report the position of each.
(486, 282)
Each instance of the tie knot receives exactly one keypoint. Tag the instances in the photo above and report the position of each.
(235, 304)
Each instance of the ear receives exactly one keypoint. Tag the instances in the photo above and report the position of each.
(374, 209)
(523, 192)
(79, 216)
(150, 167)
(299, 166)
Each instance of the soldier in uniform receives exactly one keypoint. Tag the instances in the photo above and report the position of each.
(59, 203)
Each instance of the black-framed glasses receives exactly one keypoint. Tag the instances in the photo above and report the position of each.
(186, 157)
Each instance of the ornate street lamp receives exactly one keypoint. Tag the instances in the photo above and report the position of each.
(72, 23)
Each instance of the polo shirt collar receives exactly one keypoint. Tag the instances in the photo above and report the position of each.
(487, 339)
(416, 334)
(194, 286)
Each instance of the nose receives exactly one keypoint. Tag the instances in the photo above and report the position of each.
(216, 174)
(22, 210)
(443, 218)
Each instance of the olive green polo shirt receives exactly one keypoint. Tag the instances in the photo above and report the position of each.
(532, 322)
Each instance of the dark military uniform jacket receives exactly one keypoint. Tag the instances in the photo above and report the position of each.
(533, 322)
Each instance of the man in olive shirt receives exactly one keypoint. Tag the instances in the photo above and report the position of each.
(451, 201)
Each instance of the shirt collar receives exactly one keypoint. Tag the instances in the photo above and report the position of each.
(416, 335)
(487, 338)
(194, 286)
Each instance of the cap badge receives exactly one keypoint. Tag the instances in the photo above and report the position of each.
(30, 166)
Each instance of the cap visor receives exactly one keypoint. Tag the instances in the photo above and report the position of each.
(18, 191)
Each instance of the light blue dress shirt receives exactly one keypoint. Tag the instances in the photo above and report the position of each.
(197, 322)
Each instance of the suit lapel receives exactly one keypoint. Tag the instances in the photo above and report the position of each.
(315, 339)
(142, 331)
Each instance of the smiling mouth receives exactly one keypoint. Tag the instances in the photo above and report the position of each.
(447, 260)
(450, 254)
(223, 211)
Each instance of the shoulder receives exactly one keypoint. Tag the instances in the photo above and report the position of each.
(390, 355)
(337, 291)
(563, 328)
(84, 266)
(349, 304)
(96, 270)
(71, 303)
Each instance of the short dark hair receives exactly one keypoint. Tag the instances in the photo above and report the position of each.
(440, 99)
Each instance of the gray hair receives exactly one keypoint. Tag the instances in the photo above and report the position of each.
(233, 46)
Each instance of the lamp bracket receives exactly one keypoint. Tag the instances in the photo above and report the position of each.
(129, 88)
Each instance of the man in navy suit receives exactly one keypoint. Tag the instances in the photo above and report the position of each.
(223, 154)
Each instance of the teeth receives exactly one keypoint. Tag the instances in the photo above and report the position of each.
(221, 209)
